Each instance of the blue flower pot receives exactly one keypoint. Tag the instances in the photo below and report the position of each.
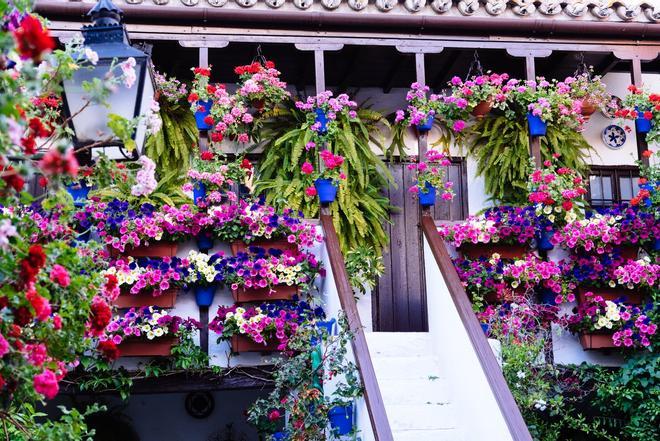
(642, 124)
(204, 241)
(278, 436)
(426, 125)
(326, 189)
(427, 199)
(328, 326)
(485, 327)
(78, 193)
(537, 127)
(656, 245)
(199, 191)
(341, 419)
(322, 119)
(201, 114)
(543, 242)
(204, 295)
(547, 297)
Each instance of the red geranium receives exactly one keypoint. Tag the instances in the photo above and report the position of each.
(13, 179)
(207, 156)
(100, 316)
(217, 137)
(56, 162)
(32, 39)
(109, 349)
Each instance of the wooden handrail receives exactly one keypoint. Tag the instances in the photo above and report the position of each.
(372, 396)
(508, 406)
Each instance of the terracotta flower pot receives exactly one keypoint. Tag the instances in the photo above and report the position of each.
(507, 296)
(483, 108)
(238, 246)
(243, 343)
(280, 292)
(141, 347)
(633, 297)
(128, 300)
(258, 104)
(506, 251)
(154, 249)
(588, 108)
(596, 341)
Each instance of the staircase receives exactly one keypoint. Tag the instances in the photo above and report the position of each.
(415, 393)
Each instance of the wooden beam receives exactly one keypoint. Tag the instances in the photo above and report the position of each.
(420, 68)
(319, 71)
(637, 80)
(492, 371)
(604, 67)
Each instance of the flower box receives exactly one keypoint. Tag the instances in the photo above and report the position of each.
(506, 251)
(141, 347)
(155, 249)
(238, 246)
(128, 300)
(596, 341)
(634, 297)
(629, 252)
(280, 292)
(242, 343)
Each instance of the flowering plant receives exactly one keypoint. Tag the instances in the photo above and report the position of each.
(261, 85)
(147, 322)
(201, 89)
(267, 269)
(272, 321)
(631, 325)
(592, 270)
(498, 224)
(605, 232)
(430, 173)
(557, 193)
(552, 102)
(145, 275)
(486, 88)
(639, 103)
(170, 89)
(331, 170)
(421, 109)
(589, 91)
(249, 222)
(648, 197)
(322, 112)
(519, 322)
(204, 269)
(218, 174)
(229, 118)
(638, 273)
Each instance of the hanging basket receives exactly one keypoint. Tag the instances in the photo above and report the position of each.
(506, 251)
(592, 341)
(326, 190)
(165, 300)
(203, 110)
(537, 127)
(238, 246)
(248, 295)
(427, 199)
(483, 108)
(426, 126)
(258, 104)
(154, 249)
(243, 343)
(588, 108)
(633, 297)
(141, 347)
(642, 124)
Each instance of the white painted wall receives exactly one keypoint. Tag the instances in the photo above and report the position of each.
(479, 415)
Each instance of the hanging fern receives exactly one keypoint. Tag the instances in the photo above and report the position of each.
(361, 209)
(171, 147)
(501, 148)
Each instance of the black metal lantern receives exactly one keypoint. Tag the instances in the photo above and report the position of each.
(107, 36)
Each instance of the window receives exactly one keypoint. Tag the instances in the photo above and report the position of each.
(610, 185)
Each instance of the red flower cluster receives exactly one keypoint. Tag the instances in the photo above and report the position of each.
(253, 68)
(203, 71)
(100, 316)
(13, 179)
(109, 350)
(217, 137)
(330, 160)
(32, 39)
(56, 162)
(206, 156)
(193, 97)
(30, 266)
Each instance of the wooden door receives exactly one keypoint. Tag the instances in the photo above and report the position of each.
(399, 301)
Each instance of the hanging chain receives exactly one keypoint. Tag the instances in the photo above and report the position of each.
(259, 57)
(582, 67)
(475, 65)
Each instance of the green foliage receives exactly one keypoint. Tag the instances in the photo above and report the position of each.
(172, 146)
(26, 424)
(397, 148)
(361, 209)
(501, 148)
(364, 266)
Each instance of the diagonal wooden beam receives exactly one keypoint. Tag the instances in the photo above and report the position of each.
(391, 73)
(354, 58)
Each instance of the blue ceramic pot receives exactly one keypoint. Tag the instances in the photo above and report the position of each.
(642, 124)
(427, 199)
(78, 193)
(322, 119)
(204, 295)
(543, 242)
(656, 245)
(326, 189)
(485, 327)
(199, 191)
(201, 114)
(537, 127)
(204, 241)
(341, 419)
(278, 436)
(426, 125)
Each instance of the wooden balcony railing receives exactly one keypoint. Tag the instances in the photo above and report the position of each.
(511, 413)
(372, 396)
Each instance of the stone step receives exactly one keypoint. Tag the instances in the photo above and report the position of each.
(397, 344)
(421, 416)
(426, 435)
(404, 367)
(412, 392)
